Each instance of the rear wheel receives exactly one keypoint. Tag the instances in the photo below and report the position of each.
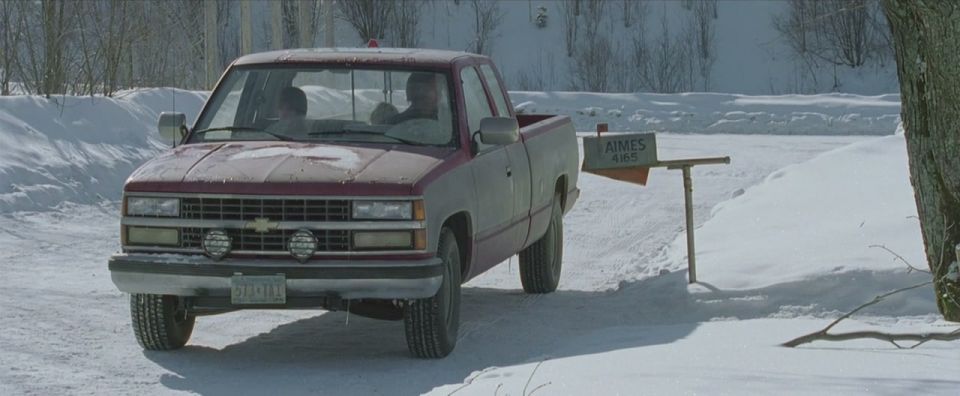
(160, 322)
(540, 263)
(432, 324)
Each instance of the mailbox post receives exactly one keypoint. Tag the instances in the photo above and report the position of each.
(686, 165)
(629, 157)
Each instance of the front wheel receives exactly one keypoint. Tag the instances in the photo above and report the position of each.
(540, 263)
(160, 322)
(432, 323)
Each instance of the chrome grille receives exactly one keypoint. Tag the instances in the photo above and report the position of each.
(276, 209)
(270, 241)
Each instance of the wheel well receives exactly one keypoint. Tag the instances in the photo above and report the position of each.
(459, 223)
(561, 187)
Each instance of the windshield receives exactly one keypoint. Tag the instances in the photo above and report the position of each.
(316, 104)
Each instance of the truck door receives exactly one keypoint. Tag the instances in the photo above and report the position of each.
(519, 163)
(492, 182)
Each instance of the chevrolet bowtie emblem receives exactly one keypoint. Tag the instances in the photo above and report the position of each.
(262, 224)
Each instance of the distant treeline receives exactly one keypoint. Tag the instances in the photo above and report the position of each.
(86, 47)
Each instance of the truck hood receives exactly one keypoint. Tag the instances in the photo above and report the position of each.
(287, 168)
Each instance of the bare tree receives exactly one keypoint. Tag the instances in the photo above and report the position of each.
(9, 39)
(592, 65)
(849, 33)
(536, 75)
(569, 10)
(370, 18)
(404, 30)
(702, 33)
(183, 60)
(299, 19)
(837, 32)
(529, 80)
(926, 38)
(633, 11)
(101, 46)
(622, 78)
(591, 62)
(486, 19)
(663, 64)
(44, 26)
(228, 32)
(593, 16)
(290, 22)
(113, 41)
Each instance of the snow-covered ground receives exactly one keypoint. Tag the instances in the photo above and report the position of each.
(783, 235)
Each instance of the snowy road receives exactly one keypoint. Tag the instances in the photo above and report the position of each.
(66, 329)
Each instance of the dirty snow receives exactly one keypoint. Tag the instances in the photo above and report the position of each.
(337, 157)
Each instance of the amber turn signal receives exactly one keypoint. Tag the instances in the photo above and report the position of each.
(418, 212)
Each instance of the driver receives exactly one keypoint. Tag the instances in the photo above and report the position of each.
(292, 111)
(423, 97)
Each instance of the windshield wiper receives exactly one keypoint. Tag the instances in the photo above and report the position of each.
(246, 128)
(348, 130)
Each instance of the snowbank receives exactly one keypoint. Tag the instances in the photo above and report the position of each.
(813, 219)
(79, 149)
(827, 114)
(779, 260)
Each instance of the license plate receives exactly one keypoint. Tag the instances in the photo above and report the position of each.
(259, 289)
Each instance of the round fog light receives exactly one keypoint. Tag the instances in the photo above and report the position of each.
(302, 245)
(216, 244)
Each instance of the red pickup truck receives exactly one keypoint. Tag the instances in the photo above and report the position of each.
(375, 181)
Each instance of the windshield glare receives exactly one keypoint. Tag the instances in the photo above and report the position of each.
(321, 104)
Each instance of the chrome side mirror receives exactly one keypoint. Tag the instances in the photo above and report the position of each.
(499, 130)
(172, 126)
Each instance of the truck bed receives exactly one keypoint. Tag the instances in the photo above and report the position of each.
(552, 149)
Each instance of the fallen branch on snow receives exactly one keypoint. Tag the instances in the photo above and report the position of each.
(877, 335)
(824, 335)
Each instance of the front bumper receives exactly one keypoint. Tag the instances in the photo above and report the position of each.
(199, 276)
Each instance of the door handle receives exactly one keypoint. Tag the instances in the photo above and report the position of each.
(509, 172)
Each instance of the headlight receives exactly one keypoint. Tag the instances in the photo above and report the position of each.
(383, 210)
(158, 207)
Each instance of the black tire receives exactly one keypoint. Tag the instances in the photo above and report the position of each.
(432, 324)
(160, 322)
(540, 263)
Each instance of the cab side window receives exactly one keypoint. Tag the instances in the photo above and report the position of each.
(475, 101)
(495, 90)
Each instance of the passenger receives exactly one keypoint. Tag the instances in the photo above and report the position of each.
(292, 112)
(423, 97)
(383, 113)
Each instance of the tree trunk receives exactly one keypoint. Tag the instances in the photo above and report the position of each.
(926, 36)
(211, 54)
